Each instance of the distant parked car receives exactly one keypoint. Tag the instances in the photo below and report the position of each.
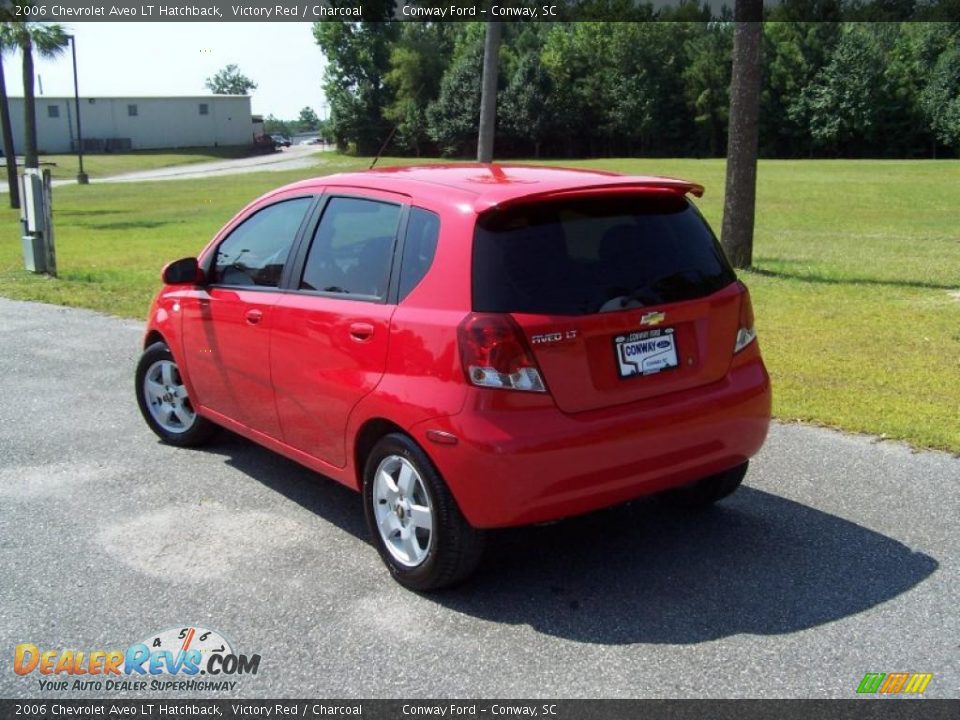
(469, 346)
(264, 144)
(312, 141)
(281, 140)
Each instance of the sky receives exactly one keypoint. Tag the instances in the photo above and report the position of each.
(174, 58)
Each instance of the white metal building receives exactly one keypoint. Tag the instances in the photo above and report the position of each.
(137, 123)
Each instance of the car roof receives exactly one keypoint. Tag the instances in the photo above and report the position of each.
(488, 185)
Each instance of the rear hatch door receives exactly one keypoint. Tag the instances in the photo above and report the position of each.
(622, 297)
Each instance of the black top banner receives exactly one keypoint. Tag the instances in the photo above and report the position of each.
(74, 11)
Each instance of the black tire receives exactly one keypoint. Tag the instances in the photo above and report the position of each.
(455, 547)
(709, 490)
(200, 431)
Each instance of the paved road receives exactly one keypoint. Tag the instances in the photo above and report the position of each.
(294, 157)
(839, 558)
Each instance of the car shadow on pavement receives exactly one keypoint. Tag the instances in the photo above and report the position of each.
(322, 496)
(756, 563)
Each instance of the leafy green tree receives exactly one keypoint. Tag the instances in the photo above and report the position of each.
(526, 108)
(844, 103)
(274, 126)
(308, 120)
(706, 80)
(877, 11)
(602, 88)
(645, 104)
(417, 64)
(573, 54)
(940, 99)
(454, 116)
(230, 81)
(358, 60)
(619, 87)
(926, 80)
(794, 52)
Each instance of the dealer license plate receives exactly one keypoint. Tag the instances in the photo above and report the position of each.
(645, 352)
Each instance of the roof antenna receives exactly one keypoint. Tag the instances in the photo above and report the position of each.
(383, 147)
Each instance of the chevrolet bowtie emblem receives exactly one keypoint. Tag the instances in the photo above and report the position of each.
(653, 318)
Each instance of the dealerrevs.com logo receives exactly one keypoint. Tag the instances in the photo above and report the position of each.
(170, 660)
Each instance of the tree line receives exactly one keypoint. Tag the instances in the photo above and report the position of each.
(307, 121)
(589, 89)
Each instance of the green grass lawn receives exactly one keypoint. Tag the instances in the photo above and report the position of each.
(855, 284)
(101, 165)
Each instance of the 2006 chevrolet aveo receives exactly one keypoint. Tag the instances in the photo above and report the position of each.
(470, 346)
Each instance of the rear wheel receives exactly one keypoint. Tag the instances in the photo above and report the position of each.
(413, 519)
(164, 401)
(709, 490)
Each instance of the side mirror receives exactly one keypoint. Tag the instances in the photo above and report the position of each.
(183, 272)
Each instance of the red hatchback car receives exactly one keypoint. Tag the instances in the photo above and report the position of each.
(470, 346)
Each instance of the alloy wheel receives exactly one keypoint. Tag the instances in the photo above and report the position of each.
(403, 510)
(166, 397)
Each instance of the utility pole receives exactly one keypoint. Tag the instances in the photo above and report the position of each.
(82, 178)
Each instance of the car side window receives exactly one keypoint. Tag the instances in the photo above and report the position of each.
(256, 251)
(352, 249)
(420, 245)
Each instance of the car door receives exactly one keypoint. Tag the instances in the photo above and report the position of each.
(226, 323)
(329, 335)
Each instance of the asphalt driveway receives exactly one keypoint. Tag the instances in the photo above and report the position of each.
(295, 157)
(837, 559)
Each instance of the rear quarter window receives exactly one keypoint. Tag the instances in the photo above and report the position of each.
(420, 245)
(588, 255)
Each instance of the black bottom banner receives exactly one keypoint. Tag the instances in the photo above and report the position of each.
(859, 709)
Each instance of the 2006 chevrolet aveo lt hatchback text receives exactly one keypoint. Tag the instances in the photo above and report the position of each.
(471, 346)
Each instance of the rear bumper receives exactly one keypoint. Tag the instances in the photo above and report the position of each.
(537, 464)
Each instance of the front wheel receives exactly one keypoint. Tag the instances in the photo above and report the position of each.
(414, 521)
(164, 402)
(709, 490)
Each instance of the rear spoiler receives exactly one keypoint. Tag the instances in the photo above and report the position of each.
(673, 185)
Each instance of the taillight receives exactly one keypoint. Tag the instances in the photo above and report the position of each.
(746, 332)
(495, 354)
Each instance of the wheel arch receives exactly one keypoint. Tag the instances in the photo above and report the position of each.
(368, 435)
(154, 336)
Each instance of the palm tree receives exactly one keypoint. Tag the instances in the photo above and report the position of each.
(49, 41)
(8, 149)
(739, 203)
(488, 95)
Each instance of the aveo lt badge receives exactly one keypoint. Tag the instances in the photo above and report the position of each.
(553, 337)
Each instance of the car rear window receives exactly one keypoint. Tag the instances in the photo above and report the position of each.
(586, 255)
